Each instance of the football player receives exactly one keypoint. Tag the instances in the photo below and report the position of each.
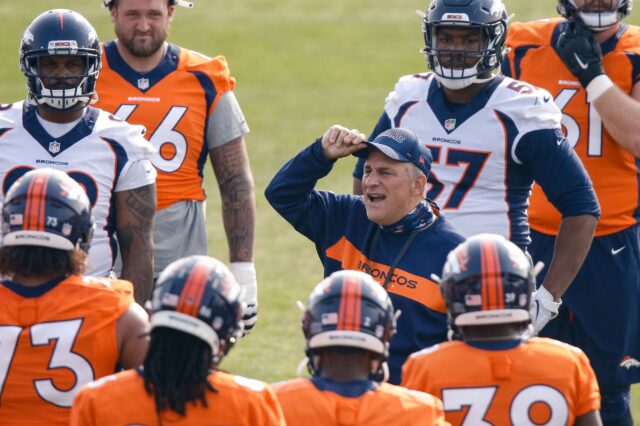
(491, 137)
(348, 324)
(186, 102)
(196, 318)
(496, 375)
(60, 330)
(590, 62)
(55, 127)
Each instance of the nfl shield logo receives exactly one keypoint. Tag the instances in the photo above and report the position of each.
(143, 83)
(450, 124)
(54, 147)
(66, 229)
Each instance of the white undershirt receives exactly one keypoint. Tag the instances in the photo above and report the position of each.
(58, 129)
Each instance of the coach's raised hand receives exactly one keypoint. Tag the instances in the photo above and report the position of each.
(338, 142)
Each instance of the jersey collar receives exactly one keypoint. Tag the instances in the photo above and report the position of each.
(55, 146)
(142, 81)
(450, 115)
(29, 291)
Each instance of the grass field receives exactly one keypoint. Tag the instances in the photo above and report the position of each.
(301, 66)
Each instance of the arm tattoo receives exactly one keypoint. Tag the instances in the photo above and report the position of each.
(233, 173)
(135, 210)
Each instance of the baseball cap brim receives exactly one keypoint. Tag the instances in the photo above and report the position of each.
(386, 150)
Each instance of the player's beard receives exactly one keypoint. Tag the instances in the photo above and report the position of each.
(139, 48)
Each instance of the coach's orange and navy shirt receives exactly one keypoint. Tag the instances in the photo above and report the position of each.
(539, 381)
(55, 338)
(613, 170)
(322, 402)
(121, 399)
(173, 101)
(344, 239)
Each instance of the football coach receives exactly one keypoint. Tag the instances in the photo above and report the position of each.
(391, 232)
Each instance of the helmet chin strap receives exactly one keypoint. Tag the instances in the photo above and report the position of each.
(461, 83)
(599, 21)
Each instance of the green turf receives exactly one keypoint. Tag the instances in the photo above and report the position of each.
(301, 66)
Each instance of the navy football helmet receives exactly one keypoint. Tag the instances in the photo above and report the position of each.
(198, 295)
(60, 32)
(487, 280)
(598, 15)
(349, 309)
(451, 67)
(47, 208)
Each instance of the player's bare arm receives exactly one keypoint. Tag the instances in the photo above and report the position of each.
(135, 210)
(572, 245)
(132, 335)
(233, 173)
(619, 113)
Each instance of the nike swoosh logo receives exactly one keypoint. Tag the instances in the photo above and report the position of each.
(546, 98)
(616, 251)
(580, 63)
(559, 141)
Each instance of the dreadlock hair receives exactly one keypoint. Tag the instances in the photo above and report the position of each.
(176, 369)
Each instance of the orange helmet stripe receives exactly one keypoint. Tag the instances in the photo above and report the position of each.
(492, 286)
(350, 309)
(35, 205)
(194, 286)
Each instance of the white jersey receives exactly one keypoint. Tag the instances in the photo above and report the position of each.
(104, 154)
(476, 179)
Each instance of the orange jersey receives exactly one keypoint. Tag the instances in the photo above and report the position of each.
(54, 343)
(612, 169)
(540, 381)
(304, 404)
(173, 101)
(121, 399)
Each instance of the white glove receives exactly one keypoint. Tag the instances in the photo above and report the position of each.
(542, 309)
(245, 274)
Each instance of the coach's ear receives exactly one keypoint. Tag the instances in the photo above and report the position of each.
(170, 12)
(420, 184)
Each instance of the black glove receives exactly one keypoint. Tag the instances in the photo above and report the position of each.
(580, 52)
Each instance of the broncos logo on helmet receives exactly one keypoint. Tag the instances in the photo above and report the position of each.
(198, 295)
(47, 208)
(348, 309)
(487, 280)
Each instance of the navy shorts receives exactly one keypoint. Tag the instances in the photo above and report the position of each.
(600, 310)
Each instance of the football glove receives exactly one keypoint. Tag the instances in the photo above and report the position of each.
(245, 274)
(580, 52)
(543, 308)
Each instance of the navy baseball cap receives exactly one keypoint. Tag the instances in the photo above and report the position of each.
(400, 145)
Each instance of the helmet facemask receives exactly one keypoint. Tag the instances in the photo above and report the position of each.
(597, 15)
(67, 93)
(457, 69)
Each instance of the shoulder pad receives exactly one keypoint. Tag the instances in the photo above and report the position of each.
(217, 68)
(130, 136)
(535, 33)
(409, 88)
(530, 108)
